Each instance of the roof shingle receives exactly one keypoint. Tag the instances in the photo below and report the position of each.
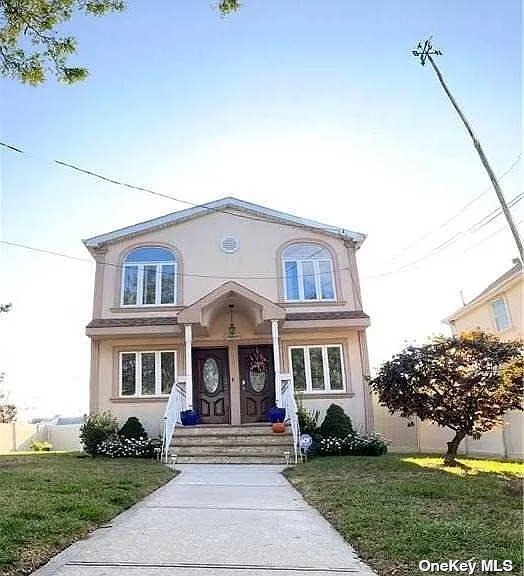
(172, 321)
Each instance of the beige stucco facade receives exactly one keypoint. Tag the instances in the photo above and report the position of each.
(209, 280)
(204, 267)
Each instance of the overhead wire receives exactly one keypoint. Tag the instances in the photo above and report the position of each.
(450, 241)
(475, 227)
(179, 274)
(453, 239)
(444, 224)
(495, 233)
(152, 192)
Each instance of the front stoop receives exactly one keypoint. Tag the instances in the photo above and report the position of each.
(226, 444)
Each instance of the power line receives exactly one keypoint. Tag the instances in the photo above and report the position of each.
(96, 175)
(498, 231)
(454, 216)
(150, 191)
(453, 239)
(475, 227)
(179, 274)
(223, 211)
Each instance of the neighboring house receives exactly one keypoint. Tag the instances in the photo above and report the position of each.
(496, 309)
(210, 296)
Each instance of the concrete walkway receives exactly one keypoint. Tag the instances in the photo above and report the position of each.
(214, 520)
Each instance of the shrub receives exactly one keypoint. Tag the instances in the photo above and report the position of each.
(354, 444)
(121, 447)
(38, 446)
(336, 423)
(329, 446)
(133, 429)
(366, 445)
(96, 429)
(307, 420)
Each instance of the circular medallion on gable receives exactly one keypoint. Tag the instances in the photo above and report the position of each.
(229, 245)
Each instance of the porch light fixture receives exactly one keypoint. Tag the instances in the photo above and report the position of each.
(232, 330)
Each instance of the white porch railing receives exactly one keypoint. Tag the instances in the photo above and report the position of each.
(290, 404)
(175, 404)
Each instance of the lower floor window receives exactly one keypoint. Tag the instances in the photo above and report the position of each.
(147, 373)
(317, 368)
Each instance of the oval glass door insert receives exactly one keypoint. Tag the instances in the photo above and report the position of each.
(211, 375)
(257, 380)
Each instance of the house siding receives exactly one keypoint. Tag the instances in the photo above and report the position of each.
(197, 243)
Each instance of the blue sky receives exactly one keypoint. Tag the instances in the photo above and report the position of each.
(314, 108)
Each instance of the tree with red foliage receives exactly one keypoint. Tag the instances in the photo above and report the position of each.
(464, 382)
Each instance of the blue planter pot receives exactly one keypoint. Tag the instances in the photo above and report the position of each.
(189, 417)
(276, 414)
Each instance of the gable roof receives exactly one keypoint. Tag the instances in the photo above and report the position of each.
(268, 310)
(512, 274)
(222, 205)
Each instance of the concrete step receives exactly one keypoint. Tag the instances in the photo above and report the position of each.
(224, 430)
(270, 439)
(220, 450)
(226, 444)
(231, 459)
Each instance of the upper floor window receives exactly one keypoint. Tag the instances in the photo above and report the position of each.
(149, 277)
(308, 273)
(500, 314)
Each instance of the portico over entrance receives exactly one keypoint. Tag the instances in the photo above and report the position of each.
(232, 355)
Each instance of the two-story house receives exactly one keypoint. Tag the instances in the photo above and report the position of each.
(227, 299)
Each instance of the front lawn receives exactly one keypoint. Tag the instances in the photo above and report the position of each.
(49, 500)
(396, 510)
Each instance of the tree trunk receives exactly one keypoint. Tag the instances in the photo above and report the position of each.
(451, 454)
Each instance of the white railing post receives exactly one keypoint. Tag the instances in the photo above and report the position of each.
(175, 405)
(189, 366)
(290, 404)
(276, 363)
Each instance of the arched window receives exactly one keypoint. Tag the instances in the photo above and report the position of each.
(308, 273)
(149, 277)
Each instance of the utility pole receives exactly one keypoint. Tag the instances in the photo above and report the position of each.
(425, 52)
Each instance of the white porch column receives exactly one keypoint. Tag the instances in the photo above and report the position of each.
(276, 362)
(189, 366)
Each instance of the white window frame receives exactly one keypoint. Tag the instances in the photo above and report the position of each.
(325, 363)
(140, 282)
(506, 312)
(300, 278)
(138, 373)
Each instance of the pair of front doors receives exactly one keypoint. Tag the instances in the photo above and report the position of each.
(212, 392)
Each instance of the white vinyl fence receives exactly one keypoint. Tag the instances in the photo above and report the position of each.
(503, 442)
(18, 436)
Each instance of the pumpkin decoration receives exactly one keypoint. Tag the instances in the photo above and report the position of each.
(278, 427)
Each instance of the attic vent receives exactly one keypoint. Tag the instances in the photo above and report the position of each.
(229, 244)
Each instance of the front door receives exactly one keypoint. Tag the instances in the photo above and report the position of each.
(257, 382)
(211, 384)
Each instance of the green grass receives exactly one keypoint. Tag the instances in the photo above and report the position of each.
(49, 500)
(396, 510)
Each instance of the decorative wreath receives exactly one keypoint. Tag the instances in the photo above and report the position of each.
(258, 362)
